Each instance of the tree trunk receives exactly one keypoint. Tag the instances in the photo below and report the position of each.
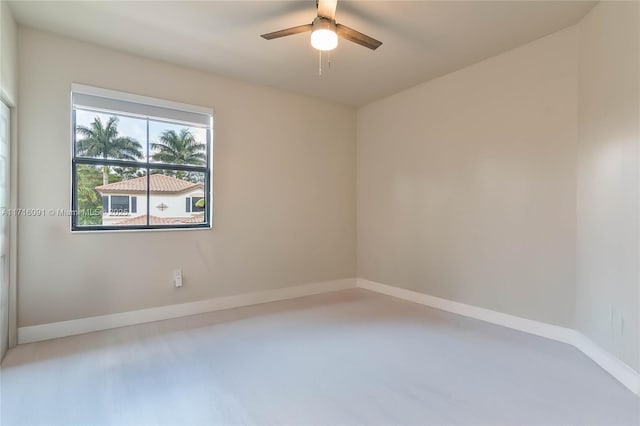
(105, 175)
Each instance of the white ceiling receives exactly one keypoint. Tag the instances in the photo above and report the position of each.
(422, 39)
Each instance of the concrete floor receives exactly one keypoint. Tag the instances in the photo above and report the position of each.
(350, 357)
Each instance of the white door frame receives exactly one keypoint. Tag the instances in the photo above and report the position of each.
(13, 223)
(5, 228)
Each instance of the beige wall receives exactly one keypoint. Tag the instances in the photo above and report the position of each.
(8, 55)
(284, 189)
(513, 184)
(466, 184)
(608, 179)
(9, 95)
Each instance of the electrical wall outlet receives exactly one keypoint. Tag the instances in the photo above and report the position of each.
(177, 278)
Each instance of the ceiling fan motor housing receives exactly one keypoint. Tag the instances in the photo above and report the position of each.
(321, 23)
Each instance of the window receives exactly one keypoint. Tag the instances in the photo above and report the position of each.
(121, 204)
(136, 160)
(195, 204)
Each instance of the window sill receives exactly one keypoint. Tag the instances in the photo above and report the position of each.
(135, 229)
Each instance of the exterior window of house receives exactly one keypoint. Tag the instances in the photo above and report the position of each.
(136, 160)
(119, 204)
(194, 204)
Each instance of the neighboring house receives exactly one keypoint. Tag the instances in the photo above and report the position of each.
(171, 201)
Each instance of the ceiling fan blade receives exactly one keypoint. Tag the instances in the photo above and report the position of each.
(327, 8)
(357, 37)
(288, 32)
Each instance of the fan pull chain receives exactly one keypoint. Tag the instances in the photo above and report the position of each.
(320, 61)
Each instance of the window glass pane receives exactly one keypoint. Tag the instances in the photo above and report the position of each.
(172, 143)
(169, 189)
(110, 136)
(89, 202)
(110, 204)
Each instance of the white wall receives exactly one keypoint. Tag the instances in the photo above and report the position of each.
(608, 179)
(174, 206)
(284, 185)
(466, 184)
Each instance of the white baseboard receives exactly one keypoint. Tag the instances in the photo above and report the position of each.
(103, 322)
(549, 331)
(612, 365)
(618, 369)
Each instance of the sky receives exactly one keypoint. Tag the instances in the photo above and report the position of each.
(137, 127)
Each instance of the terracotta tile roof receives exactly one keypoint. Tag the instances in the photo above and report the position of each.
(196, 218)
(155, 220)
(159, 183)
(142, 220)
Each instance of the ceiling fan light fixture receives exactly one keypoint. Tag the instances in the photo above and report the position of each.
(324, 36)
(325, 31)
(324, 39)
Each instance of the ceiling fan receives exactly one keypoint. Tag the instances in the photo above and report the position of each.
(325, 31)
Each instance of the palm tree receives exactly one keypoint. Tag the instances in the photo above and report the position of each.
(102, 140)
(179, 148)
(88, 199)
